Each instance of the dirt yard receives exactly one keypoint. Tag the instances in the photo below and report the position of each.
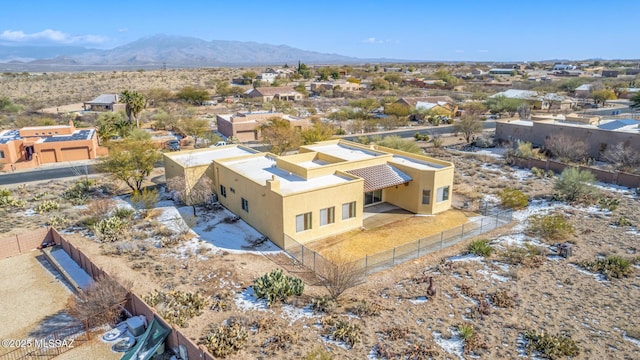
(29, 294)
(359, 243)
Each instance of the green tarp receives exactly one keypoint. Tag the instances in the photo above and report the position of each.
(150, 341)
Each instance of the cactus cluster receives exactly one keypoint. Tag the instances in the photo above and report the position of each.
(277, 287)
(224, 340)
(6, 200)
(110, 229)
(342, 330)
(47, 206)
(79, 192)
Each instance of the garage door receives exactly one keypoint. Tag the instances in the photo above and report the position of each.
(47, 156)
(78, 153)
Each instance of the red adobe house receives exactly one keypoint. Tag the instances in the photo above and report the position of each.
(32, 146)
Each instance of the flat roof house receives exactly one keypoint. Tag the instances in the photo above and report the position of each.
(267, 94)
(319, 192)
(48, 144)
(245, 126)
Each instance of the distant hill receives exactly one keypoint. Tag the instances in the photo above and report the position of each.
(172, 51)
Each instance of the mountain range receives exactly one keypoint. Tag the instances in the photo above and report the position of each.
(164, 50)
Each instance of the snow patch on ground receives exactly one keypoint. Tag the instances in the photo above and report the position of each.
(237, 237)
(247, 300)
(453, 345)
(72, 268)
(466, 257)
(419, 300)
(599, 277)
(635, 341)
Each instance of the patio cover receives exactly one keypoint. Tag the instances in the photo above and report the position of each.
(380, 176)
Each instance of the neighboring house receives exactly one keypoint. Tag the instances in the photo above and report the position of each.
(321, 191)
(318, 86)
(583, 91)
(245, 126)
(596, 138)
(627, 93)
(477, 72)
(48, 144)
(267, 94)
(536, 101)
(444, 102)
(610, 73)
(632, 71)
(267, 77)
(104, 102)
(502, 71)
(426, 84)
(392, 69)
(563, 67)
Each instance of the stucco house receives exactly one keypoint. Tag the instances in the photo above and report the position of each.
(47, 144)
(105, 102)
(444, 103)
(321, 191)
(245, 126)
(267, 94)
(318, 86)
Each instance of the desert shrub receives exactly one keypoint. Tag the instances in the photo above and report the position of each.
(47, 206)
(221, 301)
(513, 199)
(145, 199)
(277, 287)
(323, 304)
(525, 149)
(224, 340)
(365, 308)
(421, 137)
(341, 275)
(529, 255)
(466, 331)
(280, 341)
(110, 229)
(550, 174)
(503, 299)
(123, 213)
(177, 307)
(623, 221)
(342, 330)
(99, 209)
(575, 185)
(396, 333)
(438, 141)
(608, 203)
(537, 172)
(79, 192)
(612, 266)
(480, 247)
(99, 302)
(550, 346)
(549, 227)
(318, 353)
(409, 351)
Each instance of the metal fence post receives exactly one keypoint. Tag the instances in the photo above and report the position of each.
(302, 255)
(441, 239)
(366, 265)
(481, 220)
(462, 234)
(497, 219)
(419, 247)
(314, 261)
(393, 260)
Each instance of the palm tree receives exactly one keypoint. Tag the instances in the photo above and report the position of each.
(134, 102)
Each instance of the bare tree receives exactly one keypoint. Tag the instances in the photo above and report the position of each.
(190, 191)
(468, 126)
(524, 112)
(566, 148)
(341, 275)
(623, 157)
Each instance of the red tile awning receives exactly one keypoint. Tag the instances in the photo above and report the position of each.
(380, 176)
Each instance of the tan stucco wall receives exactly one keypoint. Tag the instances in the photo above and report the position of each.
(314, 201)
(12, 151)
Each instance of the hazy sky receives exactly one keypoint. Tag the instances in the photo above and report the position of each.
(482, 30)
